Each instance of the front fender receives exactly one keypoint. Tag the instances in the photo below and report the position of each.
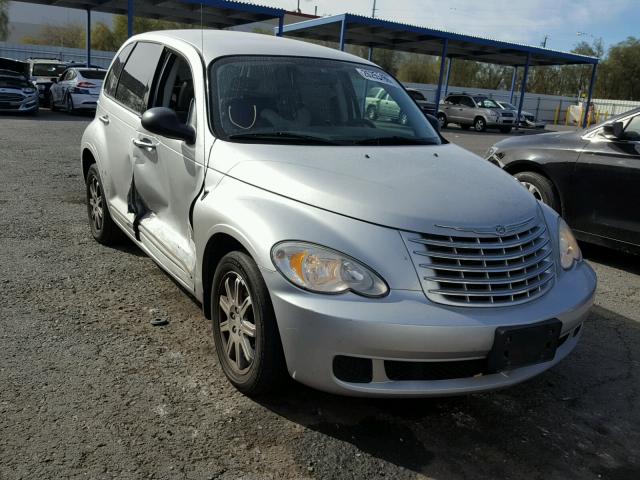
(258, 219)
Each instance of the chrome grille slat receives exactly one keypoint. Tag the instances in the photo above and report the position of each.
(477, 268)
(499, 244)
(498, 293)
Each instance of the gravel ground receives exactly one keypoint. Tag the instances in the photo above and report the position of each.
(89, 389)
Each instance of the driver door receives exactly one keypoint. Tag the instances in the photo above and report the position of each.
(166, 174)
(607, 177)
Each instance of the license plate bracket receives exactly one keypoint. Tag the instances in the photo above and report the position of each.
(519, 346)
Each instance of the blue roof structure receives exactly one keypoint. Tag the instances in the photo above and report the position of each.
(379, 33)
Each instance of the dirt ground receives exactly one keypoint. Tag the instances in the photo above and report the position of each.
(90, 389)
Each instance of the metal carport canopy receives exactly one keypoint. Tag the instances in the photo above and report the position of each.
(215, 13)
(370, 32)
(378, 33)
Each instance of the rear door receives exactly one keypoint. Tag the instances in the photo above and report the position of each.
(607, 178)
(466, 111)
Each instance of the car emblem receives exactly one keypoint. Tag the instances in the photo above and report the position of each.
(497, 230)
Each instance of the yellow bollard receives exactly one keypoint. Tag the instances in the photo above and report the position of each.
(555, 117)
(566, 117)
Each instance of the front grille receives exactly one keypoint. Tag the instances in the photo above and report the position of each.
(484, 269)
(507, 114)
(11, 97)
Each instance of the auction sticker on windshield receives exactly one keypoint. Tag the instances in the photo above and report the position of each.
(376, 76)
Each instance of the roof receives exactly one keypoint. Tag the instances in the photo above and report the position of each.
(218, 43)
(216, 13)
(378, 33)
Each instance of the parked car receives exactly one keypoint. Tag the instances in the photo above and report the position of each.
(77, 89)
(364, 258)
(17, 93)
(591, 176)
(43, 72)
(527, 119)
(477, 111)
(426, 106)
(379, 105)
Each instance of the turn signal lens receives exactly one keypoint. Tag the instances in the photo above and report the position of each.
(569, 250)
(323, 270)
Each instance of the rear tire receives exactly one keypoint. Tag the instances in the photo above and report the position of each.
(52, 105)
(69, 103)
(479, 124)
(245, 330)
(372, 112)
(540, 187)
(103, 229)
(442, 118)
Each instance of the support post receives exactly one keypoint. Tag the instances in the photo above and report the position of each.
(446, 82)
(280, 25)
(370, 54)
(585, 120)
(88, 37)
(514, 75)
(129, 18)
(343, 31)
(443, 59)
(523, 89)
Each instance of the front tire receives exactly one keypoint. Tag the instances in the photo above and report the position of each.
(103, 229)
(372, 112)
(245, 330)
(52, 104)
(540, 187)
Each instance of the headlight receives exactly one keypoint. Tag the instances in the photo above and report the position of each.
(322, 270)
(569, 250)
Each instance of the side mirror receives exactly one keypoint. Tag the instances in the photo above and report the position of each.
(433, 121)
(613, 130)
(164, 121)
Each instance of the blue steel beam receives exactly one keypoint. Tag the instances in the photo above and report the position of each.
(280, 25)
(88, 37)
(129, 18)
(591, 85)
(523, 89)
(343, 33)
(514, 75)
(443, 61)
(446, 83)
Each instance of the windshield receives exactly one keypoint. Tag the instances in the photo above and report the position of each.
(93, 74)
(507, 106)
(313, 101)
(47, 69)
(484, 102)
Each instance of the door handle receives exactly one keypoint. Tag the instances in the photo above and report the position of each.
(143, 143)
(104, 119)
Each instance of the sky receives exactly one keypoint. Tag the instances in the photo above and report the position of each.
(511, 20)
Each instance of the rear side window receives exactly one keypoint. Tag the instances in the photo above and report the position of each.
(137, 75)
(111, 82)
(467, 102)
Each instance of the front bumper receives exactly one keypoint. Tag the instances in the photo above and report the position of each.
(28, 105)
(405, 326)
(501, 122)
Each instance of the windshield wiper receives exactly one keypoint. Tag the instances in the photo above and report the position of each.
(394, 140)
(288, 137)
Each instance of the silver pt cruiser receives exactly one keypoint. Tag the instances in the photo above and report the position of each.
(362, 256)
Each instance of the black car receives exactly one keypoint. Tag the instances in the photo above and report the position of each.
(592, 177)
(426, 106)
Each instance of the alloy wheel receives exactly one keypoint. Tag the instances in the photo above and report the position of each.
(533, 190)
(95, 204)
(238, 329)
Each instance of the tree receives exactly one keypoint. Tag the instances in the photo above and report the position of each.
(69, 35)
(4, 19)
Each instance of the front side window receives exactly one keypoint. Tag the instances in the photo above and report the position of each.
(632, 130)
(175, 88)
(313, 101)
(137, 74)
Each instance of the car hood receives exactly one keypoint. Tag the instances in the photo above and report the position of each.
(15, 66)
(571, 139)
(409, 188)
